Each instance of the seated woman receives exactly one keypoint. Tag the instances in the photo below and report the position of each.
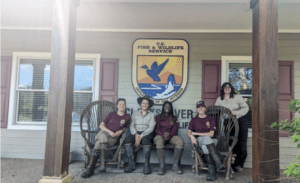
(166, 130)
(141, 128)
(203, 127)
(111, 128)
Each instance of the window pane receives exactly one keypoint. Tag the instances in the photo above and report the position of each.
(240, 76)
(34, 74)
(33, 106)
(80, 101)
(83, 76)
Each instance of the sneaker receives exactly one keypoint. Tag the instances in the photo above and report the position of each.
(238, 168)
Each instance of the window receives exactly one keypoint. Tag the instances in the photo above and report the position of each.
(30, 88)
(238, 71)
(240, 76)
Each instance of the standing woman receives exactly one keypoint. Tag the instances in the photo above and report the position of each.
(201, 130)
(166, 131)
(239, 108)
(141, 128)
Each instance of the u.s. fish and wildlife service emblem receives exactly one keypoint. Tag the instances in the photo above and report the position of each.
(160, 68)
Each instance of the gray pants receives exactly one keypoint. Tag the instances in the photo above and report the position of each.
(205, 140)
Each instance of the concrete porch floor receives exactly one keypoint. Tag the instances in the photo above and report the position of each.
(29, 170)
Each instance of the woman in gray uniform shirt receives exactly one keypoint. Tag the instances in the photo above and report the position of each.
(239, 108)
(141, 128)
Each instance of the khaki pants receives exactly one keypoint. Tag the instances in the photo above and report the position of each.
(175, 140)
(104, 138)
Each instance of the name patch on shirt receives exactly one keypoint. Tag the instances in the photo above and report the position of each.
(122, 122)
(208, 124)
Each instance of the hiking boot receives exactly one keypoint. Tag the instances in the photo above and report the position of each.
(212, 151)
(147, 153)
(161, 160)
(176, 160)
(211, 168)
(91, 167)
(131, 165)
(103, 150)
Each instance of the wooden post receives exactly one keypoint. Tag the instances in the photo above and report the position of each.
(265, 140)
(56, 162)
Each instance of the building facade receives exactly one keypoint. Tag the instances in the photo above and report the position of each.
(103, 71)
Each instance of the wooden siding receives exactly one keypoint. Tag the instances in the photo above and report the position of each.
(31, 144)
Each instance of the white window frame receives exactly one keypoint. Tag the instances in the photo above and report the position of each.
(17, 56)
(226, 60)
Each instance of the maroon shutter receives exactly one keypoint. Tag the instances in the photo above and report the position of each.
(286, 91)
(109, 69)
(211, 81)
(5, 88)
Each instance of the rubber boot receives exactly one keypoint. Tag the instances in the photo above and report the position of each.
(147, 152)
(211, 168)
(103, 150)
(161, 160)
(212, 151)
(176, 160)
(91, 167)
(131, 165)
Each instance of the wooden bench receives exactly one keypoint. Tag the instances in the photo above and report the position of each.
(167, 146)
(90, 119)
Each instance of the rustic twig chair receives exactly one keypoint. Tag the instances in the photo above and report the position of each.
(227, 136)
(90, 119)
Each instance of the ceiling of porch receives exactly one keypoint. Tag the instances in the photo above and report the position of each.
(149, 16)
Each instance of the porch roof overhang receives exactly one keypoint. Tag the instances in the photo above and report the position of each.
(190, 16)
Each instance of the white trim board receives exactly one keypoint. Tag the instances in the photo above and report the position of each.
(152, 30)
(171, 1)
(43, 55)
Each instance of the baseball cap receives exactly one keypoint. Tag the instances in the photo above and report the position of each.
(200, 103)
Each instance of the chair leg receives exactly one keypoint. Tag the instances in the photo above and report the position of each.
(196, 165)
(119, 159)
(231, 173)
(86, 162)
(228, 167)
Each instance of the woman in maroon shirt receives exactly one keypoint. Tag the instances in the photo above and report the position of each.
(166, 131)
(201, 130)
(111, 131)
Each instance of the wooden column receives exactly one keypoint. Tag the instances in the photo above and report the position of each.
(56, 162)
(265, 140)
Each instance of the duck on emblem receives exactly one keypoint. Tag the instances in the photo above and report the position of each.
(155, 70)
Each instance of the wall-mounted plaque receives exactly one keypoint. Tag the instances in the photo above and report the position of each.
(160, 68)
